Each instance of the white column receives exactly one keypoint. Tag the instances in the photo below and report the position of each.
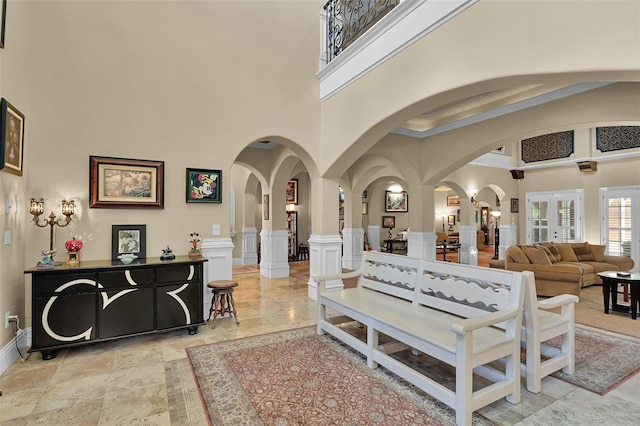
(325, 253)
(249, 246)
(508, 235)
(274, 260)
(421, 245)
(468, 251)
(219, 252)
(373, 233)
(352, 247)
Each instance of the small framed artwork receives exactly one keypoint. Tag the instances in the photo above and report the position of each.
(291, 196)
(396, 202)
(11, 138)
(125, 183)
(515, 205)
(265, 207)
(73, 258)
(365, 208)
(204, 186)
(389, 222)
(453, 200)
(451, 219)
(341, 200)
(128, 239)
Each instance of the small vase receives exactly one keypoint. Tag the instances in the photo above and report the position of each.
(73, 246)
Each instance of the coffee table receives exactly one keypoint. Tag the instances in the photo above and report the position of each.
(610, 281)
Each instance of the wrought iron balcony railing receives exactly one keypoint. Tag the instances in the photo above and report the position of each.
(346, 20)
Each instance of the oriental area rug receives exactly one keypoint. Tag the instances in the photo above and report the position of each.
(297, 377)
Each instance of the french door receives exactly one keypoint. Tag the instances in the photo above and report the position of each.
(555, 216)
(620, 226)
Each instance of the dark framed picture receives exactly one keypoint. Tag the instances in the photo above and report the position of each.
(204, 186)
(389, 222)
(3, 22)
(396, 202)
(365, 208)
(125, 183)
(451, 219)
(11, 138)
(515, 205)
(128, 239)
(265, 207)
(453, 200)
(341, 200)
(291, 196)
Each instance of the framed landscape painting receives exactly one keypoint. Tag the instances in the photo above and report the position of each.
(396, 202)
(204, 186)
(125, 183)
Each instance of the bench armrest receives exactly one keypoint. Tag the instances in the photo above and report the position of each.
(342, 276)
(470, 324)
(557, 301)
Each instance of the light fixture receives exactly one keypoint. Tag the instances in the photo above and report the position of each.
(36, 208)
(474, 198)
(291, 207)
(496, 241)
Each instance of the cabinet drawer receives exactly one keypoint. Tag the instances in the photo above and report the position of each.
(181, 273)
(64, 284)
(126, 278)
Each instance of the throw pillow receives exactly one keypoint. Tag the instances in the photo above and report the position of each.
(536, 255)
(554, 252)
(516, 255)
(550, 255)
(566, 252)
(582, 251)
(597, 252)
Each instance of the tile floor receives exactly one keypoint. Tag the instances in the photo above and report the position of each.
(148, 380)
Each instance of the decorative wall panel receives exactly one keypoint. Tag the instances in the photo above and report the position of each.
(547, 147)
(615, 138)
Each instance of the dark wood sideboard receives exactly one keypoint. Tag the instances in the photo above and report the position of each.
(102, 300)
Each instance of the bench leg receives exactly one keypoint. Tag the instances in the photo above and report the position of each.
(512, 373)
(464, 382)
(372, 344)
(322, 315)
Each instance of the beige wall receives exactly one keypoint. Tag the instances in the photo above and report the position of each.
(15, 87)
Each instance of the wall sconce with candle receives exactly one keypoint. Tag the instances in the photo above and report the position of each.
(496, 215)
(36, 208)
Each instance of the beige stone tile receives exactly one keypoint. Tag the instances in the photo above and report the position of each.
(72, 392)
(133, 404)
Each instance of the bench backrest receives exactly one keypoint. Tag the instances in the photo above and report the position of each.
(469, 291)
(390, 274)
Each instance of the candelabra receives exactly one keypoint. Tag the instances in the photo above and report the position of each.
(36, 208)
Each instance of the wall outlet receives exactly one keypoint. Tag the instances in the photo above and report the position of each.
(215, 229)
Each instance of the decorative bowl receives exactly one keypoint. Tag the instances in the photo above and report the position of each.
(127, 258)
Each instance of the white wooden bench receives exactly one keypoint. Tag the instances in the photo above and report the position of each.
(465, 316)
(541, 325)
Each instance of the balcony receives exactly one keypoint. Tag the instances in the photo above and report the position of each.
(358, 35)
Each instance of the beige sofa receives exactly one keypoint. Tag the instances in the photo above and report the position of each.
(564, 267)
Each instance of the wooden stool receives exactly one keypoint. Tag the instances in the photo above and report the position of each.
(222, 301)
(303, 252)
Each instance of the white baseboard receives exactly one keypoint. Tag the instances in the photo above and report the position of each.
(9, 354)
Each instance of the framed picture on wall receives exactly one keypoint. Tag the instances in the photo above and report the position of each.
(11, 138)
(389, 222)
(453, 200)
(125, 183)
(365, 208)
(291, 196)
(451, 220)
(515, 205)
(396, 202)
(204, 186)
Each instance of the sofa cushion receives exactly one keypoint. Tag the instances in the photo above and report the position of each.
(582, 251)
(566, 253)
(598, 252)
(536, 255)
